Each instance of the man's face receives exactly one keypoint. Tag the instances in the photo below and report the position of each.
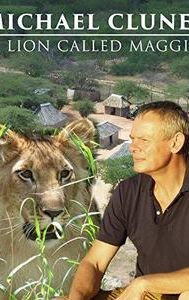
(150, 148)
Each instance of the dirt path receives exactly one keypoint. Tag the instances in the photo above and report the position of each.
(7, 70)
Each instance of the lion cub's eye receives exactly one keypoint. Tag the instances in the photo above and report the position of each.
(65, 175)
(25, 175)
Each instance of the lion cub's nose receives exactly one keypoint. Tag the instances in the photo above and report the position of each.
(52, 213)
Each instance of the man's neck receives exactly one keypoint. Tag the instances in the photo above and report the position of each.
(169, 181)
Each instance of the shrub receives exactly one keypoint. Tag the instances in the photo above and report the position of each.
(137, 64)
(180, 67)
(18, 90)
(11, 101)
(33, 64)
(114, 170)
(12, 84)
(85, 107)
(60, 102)
(130, 89)
(19, 119)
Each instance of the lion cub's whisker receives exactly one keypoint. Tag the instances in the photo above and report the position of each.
(12, 230)
(11, 218)
(18, 235)
(11, 227)
(30, 230)
(22, 237)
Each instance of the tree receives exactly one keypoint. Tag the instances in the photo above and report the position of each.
(131, 90)
(85, 107)
(81, 76)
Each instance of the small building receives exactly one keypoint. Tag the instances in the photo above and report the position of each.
(122, 151)
(117, 105)
(80, 94)
(108, 134)
(70, 94)
(50, 116)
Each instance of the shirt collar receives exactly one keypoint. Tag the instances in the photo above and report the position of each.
(185, 185)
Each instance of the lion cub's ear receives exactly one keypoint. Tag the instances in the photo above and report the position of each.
(83, 128)
(8, 146)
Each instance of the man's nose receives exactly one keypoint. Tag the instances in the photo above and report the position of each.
(133, 147)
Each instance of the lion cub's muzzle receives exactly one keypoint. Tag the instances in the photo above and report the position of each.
(51, 232)
(30, 233)
(53, 213)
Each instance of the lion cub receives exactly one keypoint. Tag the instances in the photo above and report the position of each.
(43, 178)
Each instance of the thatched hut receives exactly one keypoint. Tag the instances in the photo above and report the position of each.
(50, 116)
(117, 105)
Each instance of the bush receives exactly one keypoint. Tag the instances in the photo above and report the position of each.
(137, 63)
(18, 90)
(60, 102)
(85, 107)
(20, 120)
(33, 64)
(12, 84)
(125, 68)
(180, 67)
(11, 101)
(130, 89)
(114, 170)
(32, 103)
(178, 90)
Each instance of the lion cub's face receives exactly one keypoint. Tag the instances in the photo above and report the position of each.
(36, 177)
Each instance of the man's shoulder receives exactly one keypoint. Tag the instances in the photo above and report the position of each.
(138, 179)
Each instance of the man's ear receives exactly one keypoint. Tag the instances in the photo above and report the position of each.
(177, 142)
(8, 146)
(83, 128)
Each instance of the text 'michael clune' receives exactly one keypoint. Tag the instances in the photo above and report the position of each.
(81, 25)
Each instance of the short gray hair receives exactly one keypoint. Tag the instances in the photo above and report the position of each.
(173, 117)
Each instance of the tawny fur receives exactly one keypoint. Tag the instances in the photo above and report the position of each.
(46, 159)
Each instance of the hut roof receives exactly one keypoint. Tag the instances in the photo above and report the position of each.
(50, 116)
(123, 150)
(115, 100)
(106, 129)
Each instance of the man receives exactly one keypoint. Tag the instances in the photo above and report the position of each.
(152, 209)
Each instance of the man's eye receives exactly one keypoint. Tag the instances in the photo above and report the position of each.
(25, 175)
(65, 175)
